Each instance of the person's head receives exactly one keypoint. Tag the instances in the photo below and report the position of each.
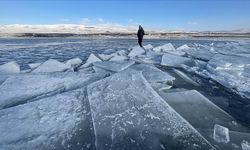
(140, 26)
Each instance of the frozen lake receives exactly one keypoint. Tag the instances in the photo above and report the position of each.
(177, 94)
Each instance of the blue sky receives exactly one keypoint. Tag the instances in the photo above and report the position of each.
(159, 14)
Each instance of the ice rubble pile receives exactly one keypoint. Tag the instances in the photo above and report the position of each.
(120, 100)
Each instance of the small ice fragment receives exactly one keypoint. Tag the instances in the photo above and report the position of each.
(75, 62)
(9, 68)
(221, 134)
(183, 47)
(245, 145)
(148, 47)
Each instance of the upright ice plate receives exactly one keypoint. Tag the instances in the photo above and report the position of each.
(128, 114)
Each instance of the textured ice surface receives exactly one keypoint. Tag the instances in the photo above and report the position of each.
(137, 50)
(115, 66)
(185, 77)
(245, 145)
(50, 123)
(34, 65)
(128, 114)
(22, 88)
(175, 61)
(92, 58)
(232, 72)
(198, 110)
(183, 47)
(75, 62)
(148, 47)
(51, 65)
(9, 68)
(153, 74)
(221, 134)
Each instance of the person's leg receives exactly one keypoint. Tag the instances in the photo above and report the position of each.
(140, 42)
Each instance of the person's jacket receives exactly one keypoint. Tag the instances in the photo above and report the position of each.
(140, 33)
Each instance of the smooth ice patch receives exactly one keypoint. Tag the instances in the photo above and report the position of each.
(128, 113)
(115, 66)
(51, 65)
(10, 68)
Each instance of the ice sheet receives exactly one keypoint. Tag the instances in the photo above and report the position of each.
(22, 88)
(92, 58)
(137, 50)
(115, 66)
(185, 77)
(128, 114)
(51, 65)
(57, 122)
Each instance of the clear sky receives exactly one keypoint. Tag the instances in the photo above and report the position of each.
(166, 14)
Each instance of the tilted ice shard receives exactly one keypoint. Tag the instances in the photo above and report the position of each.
(175, 61)
(118, 58)
(153, 74)
(51, 65)
(221, 134)
(50, 123)
(128, 114)
(137, 50)
(164, 48)
(148, 47)
(9, 68)
(92, 58)
(34, 65)
(183, 47)
(105, 57)
(115, 66)
(245, 145)
(185, 77)
(22, 88)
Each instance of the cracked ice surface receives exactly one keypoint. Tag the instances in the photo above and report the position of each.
(22, 88)
(128, 113)
(50, 123)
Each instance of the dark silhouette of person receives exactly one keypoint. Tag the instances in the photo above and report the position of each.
(140, 35)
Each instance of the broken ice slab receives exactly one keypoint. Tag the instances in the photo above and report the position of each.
(198, 110)
(175, 61)
(51, 65)
(153, 74)
(92, 58)
(183, 47)
(232, 72)
(221, 134)
(21, 88)
(128, 114)
(203, 54)
(62, 121)
(137, 50)
(9, 68)
(100, 70)
(75, 62)
(164, 48)
(245, 145)
(34, 65)
(115, 66)
(148, 47)
(185, 77)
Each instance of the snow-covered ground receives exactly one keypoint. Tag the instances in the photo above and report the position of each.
(125, 98)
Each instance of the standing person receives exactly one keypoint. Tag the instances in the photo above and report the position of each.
(140, 35)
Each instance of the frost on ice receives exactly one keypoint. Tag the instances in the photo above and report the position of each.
(10, 68)
(50, 123)
(127, 112)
